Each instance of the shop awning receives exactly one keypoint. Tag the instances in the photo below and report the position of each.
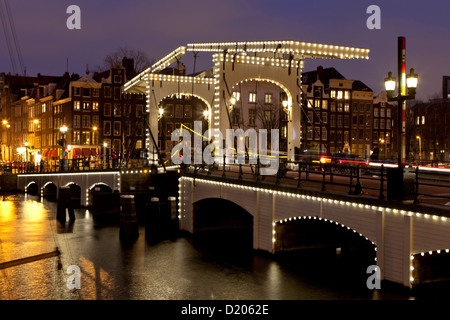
(86, 152)
(54, 153)
(45, 153)
(76, 152)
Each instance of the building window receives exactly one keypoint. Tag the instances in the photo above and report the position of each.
(347, 95)
(95, 137)
(252, 97)
(188, 111)
(382, 123)
(236, 115)
(116, 145)
(317, 104)
(423, 119)
(85, 137)
(324, 134)
(107, 92)
(168, 110)
(324, 104)
(268, 98)
(76, 121)
(388, 124)
(76, 91)
(324, 117)
(309, 133)
(86, 121)
(117, 110)
(268, 117)
(116, 93)
(251, 117)
(340, 107)
(140, 110)
(107, 109)
(95, 120)
(95, 92)
(333, 106)
(117, 125)
(86, 92)
(375, 123)
(76, 137)
(107, 128)
(346, 121)
(340, 95)
(347, 107)
(339, 121)
(76, 105)
(375, 112)
(178, 111)
(361, 120)
(333, 94)
(237, 95)
(94, 106)
(388, 112)
(310, 116)
(333, 120)
(117, 78)
(86, 106)
(169, 129)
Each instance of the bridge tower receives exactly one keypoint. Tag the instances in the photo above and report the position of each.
(279, 62)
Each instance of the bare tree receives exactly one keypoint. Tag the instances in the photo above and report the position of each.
(141, 59)
(268, 115)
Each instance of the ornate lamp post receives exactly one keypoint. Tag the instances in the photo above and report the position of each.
(404, 81)
(63, 131)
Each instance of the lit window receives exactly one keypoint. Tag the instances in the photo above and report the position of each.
(317, 104)
(252, 97)
(340, 94)
(268, 98)
(77, 105)
(347, 95)
(423, 119)
(332, 94)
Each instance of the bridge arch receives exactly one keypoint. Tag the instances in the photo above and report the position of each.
(222, 223)
(184, 94)
(32, 188)
(312, 231)
(289, 95)
(49, 190)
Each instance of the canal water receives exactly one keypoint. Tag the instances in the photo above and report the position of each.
(178, 269)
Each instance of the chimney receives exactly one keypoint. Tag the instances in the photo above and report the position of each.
(320, 73)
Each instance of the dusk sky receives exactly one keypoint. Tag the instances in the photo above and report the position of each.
(158, 27)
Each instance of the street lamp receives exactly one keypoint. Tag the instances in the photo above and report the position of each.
(403, 82)
(420, 148)
(63, 131)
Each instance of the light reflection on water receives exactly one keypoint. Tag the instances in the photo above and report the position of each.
(176, 270)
